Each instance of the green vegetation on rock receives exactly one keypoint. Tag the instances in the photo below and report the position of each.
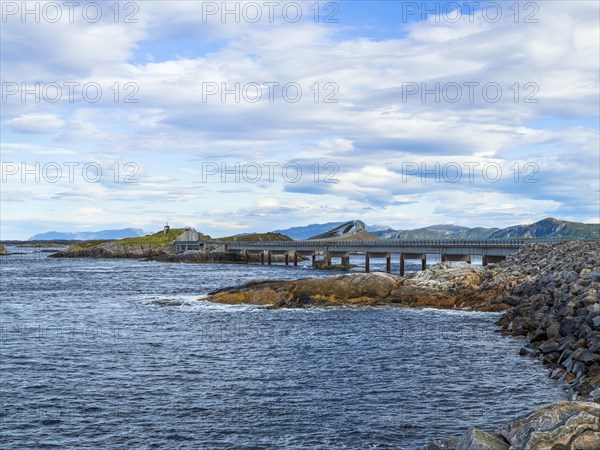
(138, 247)
(156, 238)
(258, 237)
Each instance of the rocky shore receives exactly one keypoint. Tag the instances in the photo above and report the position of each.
(550, 294)
(161, 247)
(3, 250)
(444, 286)
(553, 291)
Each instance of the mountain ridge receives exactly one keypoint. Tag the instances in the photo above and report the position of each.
(545, 228)
(88, 235)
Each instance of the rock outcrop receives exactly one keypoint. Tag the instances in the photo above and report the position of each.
(116, 249)
(444, 286)
(3, 250)
(476, 439)
(557, 426)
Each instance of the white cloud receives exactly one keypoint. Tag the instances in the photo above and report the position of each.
(369, 133)
(36, 123)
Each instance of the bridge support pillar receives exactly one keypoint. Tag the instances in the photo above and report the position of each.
(295, 259)
(367, 268)
(269, 257)
(287, 259)
(404, 256)
(345, 260)
(388, 264)
(314, 260)
(262, 257)
(491, 259)
(459, 258)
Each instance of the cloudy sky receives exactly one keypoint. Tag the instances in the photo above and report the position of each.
(252, 116)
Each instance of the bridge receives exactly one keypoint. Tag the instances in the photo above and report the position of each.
(322, 251)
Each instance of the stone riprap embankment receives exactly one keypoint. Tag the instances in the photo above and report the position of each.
(554, 294)
(553, 291)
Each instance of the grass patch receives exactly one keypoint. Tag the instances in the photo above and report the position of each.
(87, 244)
(258, 237)
(154, 239)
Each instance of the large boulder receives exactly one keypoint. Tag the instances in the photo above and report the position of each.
(556, 426)
(476, 439)
(3, 250)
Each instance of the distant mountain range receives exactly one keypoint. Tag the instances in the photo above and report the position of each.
(88, 235)
(547, 228)
(550, 228)
(438, 232)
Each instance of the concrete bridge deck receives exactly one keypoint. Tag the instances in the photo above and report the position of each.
(450, 250)
(482, 247)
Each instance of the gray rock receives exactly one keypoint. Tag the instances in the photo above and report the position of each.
(589, 357)
(476, 439)
(554, 426)
(442, 444)
(571, 277)
(553, 331)
(593, 276)
(595, 395)
(587, 441)
(549, 346)
(528, 351)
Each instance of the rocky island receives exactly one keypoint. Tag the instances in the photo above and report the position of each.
(162, 247)
(444, 286)
(550, 294)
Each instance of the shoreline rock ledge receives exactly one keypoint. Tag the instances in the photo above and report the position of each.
(444, 286)
(558, 426)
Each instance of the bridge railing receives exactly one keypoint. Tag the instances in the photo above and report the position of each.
(513, 243)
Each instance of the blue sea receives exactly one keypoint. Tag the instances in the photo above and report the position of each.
(90, 359)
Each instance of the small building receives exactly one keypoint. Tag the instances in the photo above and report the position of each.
(189, 240)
